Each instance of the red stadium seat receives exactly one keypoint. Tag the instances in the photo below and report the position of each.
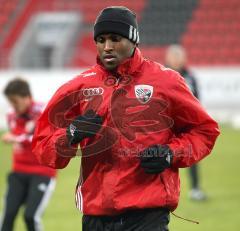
(211, 36)
(213, 33)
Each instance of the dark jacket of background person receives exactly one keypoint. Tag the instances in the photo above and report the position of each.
(190, 81)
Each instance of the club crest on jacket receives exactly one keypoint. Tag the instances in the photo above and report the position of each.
(143, 93)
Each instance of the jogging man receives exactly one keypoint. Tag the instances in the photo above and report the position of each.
(176, 59)
(29, 183)
(133, 130)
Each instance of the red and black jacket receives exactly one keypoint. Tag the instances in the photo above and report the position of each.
(143, 104)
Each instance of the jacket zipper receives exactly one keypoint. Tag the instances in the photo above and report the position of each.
(116, 85)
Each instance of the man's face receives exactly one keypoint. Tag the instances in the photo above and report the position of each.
(113, 49)
(20, 103)
(175, 60)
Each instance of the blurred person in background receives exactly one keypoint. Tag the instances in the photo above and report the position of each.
(134, 131)
(176, 59)
(29, 183)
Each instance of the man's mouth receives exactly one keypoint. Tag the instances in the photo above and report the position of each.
(109, 58)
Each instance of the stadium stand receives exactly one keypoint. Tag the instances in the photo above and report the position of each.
(172, 16)
(212, 36)
(10, 20)
(209, 29)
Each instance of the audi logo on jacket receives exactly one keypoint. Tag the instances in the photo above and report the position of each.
(142, 104)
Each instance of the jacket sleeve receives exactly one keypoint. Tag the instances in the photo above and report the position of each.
(195, 132)
(49, 143)
(24, 139)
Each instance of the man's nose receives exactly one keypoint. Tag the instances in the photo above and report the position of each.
(108, 45)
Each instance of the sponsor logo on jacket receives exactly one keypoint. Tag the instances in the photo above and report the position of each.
(143, 93)
(89, 93)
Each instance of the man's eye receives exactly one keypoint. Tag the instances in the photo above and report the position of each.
(100, 40)
(116, 38)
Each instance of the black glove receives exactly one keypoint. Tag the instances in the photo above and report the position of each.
(156, 158)
(84, 126)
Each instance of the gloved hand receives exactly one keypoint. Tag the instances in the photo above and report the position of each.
(156, 158)
(84, 126)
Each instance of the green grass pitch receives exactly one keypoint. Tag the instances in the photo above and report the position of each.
(220, 179)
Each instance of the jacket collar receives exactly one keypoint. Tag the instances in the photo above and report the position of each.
(128, 67)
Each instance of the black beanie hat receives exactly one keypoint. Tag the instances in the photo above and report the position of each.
(119, 20)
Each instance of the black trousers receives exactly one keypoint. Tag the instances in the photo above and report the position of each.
(135, 220)
(194, 176)
(30, 190)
